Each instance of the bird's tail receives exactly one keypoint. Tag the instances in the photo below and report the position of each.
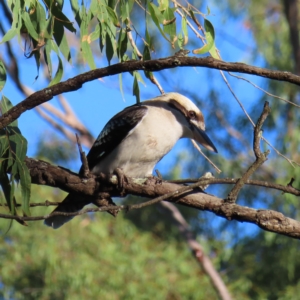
(70, 204)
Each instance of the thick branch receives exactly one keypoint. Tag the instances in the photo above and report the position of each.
(76, 82)
(46, 174)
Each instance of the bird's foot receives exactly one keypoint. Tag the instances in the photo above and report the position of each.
(159, 178)
(122, 180)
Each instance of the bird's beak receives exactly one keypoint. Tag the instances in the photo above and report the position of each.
(201, 137)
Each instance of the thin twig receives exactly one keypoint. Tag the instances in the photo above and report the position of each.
(237, 99)
(260, 157)
(85, 171)
(264, 91)
(249, 118)
(200, 151)
(197, 250)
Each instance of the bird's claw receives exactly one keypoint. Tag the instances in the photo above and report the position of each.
(122, 180)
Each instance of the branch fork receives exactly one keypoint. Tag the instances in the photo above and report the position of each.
(261, 157)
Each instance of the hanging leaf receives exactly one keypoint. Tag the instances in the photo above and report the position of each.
(58, 74)
(124, 6)
(109, 48)
(184, 30)
(136, 89)
(5, 106)
(113, 16)
(25, 183)
(29, 26)
(76, 11)
(121, 85)
(13, 149)
(96, 33)
(16, 24)
(210, 38)
(61, 40)
(47, 52)
(157, 18)
(59, 15)
(85, 41)
(2, 75)
(122, 44)
(9, 35)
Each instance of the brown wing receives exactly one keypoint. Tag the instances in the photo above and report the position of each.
(114, 132)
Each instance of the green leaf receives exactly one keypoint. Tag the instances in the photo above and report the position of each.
(61, 40)
(208, 10)
(163, 4)
(59, 73)
(29, 26)
(76, 11)
(18, 144)
(121, 85)
(109, 48)
(5, 106)
(9, 35)
(210, 38)
(47, 53)
(2, 75)
(113, 16)
(169, 23)
(136, 89)
(185, 37)
(139, 78)
(85, 41)
(7, 191)
(25, 183)
(60, 16)
(124, 7)
(13, 148)
(157, 18)
(122, 44)
(96, 33)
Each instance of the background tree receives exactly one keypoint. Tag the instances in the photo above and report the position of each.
(245, 262)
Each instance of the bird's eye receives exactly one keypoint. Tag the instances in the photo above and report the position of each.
(191, 115)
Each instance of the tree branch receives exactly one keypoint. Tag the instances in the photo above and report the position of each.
(76, 82)
(46, 174)
(260, 157)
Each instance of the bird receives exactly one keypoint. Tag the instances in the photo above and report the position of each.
(136, 139)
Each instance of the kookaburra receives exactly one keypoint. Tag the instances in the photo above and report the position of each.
(136, 138)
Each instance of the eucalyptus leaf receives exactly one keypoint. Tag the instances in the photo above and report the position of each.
(136, 89)
(210, 38)
(2, 75)
(59, 73)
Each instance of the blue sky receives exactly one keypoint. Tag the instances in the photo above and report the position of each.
(96, 102)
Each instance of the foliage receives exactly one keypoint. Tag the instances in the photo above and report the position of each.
(13, 148)
(96, 257)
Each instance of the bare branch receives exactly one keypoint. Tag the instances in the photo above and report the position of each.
(197, 251)
(76, 82)
(260, 157)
